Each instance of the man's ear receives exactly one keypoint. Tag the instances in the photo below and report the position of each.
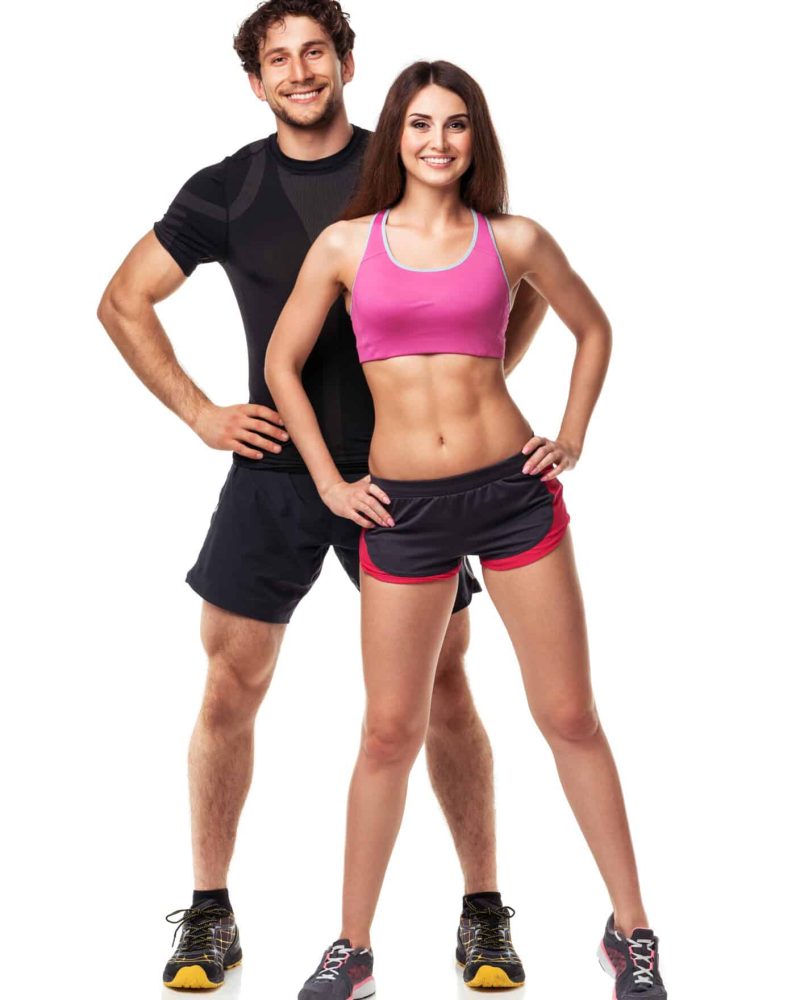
(257, 86)
(348, 68)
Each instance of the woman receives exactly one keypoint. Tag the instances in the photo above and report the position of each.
(428, 263)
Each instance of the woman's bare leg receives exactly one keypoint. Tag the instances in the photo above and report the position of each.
(402, 628)
(542, 608)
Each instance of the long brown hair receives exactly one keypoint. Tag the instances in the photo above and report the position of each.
(383, 176)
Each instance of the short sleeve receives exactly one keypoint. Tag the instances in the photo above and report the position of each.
(195, 228)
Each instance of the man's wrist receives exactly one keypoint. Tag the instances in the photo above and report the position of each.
(196, 412)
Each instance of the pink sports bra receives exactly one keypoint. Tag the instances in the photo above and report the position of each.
(459, 309)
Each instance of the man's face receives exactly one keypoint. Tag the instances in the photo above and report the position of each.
(302, 78)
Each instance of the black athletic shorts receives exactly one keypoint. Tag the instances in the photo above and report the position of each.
(506, 517)
(267, 540)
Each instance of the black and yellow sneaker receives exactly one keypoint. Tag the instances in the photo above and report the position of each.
(208, 946)
(484, 946)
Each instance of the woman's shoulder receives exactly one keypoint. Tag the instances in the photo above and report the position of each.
(345, 235)
(521, 240)
(341, 240)
(518, 229)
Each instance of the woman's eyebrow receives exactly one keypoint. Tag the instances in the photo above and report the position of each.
(420, 114)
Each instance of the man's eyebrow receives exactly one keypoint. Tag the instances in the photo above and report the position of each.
(419, 114)
(282, 48)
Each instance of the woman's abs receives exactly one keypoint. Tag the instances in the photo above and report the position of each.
(441, 415)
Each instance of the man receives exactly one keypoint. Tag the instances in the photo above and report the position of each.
(256, 213)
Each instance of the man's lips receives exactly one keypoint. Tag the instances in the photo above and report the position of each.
(304, 96)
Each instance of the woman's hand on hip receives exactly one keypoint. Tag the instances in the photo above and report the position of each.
(358, 501)
(554, 457)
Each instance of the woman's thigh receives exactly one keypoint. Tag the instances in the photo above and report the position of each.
(542, 608)
(402, 630)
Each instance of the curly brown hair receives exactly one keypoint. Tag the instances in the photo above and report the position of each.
(327, 13)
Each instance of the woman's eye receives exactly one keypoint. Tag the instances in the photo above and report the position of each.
(415, 124)
(459, 125)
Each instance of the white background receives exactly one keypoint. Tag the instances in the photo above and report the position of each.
(655, 141)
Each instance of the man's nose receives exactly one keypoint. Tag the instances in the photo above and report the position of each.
(299, 70)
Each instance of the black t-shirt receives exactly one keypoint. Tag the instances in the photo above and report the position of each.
(256, 213)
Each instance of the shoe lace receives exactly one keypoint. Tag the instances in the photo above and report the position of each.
(643, 957)
(197, 924)
(491, 930)
(333, 962)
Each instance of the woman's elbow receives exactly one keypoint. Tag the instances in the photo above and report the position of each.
(279, 371)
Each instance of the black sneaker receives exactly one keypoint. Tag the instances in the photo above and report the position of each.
(484, 946)
(208, 946)
(632, 962)
(345, 973)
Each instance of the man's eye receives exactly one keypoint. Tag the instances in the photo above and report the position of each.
(276, 60)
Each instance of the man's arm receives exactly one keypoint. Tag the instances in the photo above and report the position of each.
(526, 317)
(127, 311)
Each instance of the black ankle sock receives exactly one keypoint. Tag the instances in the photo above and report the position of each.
(483, 897)
(218, 895)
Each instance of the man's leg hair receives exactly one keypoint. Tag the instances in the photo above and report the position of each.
(242, 654)
(460, 762)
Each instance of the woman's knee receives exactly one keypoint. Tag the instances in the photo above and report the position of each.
(388, 740)
(570, 723)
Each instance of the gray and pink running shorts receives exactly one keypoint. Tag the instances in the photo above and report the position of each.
(504, 516)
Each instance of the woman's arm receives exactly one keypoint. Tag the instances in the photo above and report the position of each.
(539, 261)
(318, 285)
(526, 317)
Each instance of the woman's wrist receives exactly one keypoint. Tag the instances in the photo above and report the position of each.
(328, 484)
(571, 441)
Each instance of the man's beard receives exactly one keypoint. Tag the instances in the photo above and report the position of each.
(325, 117)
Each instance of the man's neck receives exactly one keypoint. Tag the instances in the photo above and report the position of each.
(313, 143)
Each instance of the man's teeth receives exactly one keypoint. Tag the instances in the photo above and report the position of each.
(309, 95)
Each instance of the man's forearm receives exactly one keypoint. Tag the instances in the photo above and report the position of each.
(139, 336)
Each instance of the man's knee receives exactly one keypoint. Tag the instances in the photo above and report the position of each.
(241, 661)
(451, 704)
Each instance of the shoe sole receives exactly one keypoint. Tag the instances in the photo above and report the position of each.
(194, 977)
(489, 977)
(607, 967)
(366, 988)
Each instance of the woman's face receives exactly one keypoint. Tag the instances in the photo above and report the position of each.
(436, 141)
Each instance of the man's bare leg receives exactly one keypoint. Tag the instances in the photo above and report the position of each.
(241, 660)
(460, 762)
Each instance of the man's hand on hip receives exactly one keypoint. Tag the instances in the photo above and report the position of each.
(237, 428)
